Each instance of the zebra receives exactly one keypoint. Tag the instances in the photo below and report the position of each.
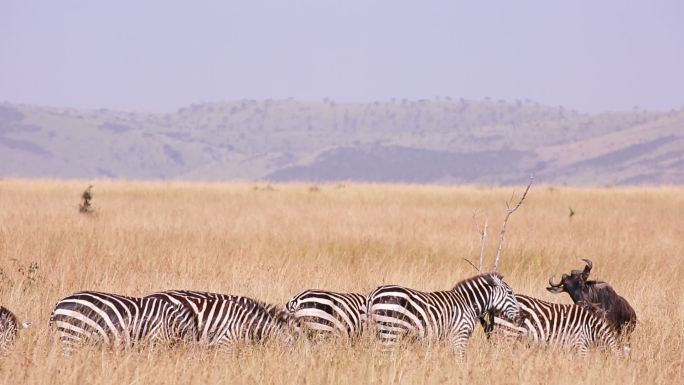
(119, 321)
(225, 320)
(446, 315)
(543, 322)
(321, 311)
(9, 328)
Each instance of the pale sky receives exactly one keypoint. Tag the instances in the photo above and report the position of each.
(162, 55)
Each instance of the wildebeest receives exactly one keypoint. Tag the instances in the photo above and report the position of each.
(598, 295)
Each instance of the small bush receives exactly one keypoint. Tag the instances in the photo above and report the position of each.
(86, 206)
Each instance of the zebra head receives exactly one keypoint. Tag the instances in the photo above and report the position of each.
(502, 299)
(9, 328)
(288, 326)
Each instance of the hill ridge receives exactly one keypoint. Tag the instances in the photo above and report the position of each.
(418, 141)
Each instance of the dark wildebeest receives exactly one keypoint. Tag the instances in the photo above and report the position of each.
(598, 295)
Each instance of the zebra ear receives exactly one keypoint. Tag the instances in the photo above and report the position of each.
(494, 279)
(283, 316)
(287, 319)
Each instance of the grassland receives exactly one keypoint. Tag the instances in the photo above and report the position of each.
(272, 243)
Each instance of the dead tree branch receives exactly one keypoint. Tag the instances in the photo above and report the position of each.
(483, 237)
(505, 222)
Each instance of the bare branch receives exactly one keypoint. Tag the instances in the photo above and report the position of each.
(483, 237)
(483, 241)
(505, 222)
(508, 202)
(471, 264)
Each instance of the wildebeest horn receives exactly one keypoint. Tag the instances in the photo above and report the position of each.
(551, 282)
(587, 268)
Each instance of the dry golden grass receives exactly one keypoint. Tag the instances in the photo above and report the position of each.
(231, 238)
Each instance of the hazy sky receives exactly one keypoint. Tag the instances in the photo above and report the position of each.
(161, 55)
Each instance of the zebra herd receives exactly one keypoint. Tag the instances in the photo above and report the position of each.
(393, 313)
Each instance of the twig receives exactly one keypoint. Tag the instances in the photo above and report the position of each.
(503, 227)
(471, 264)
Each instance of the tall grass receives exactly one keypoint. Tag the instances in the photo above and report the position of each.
(273, 243)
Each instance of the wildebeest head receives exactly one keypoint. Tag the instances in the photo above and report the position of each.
(596, 295)
(574, 284)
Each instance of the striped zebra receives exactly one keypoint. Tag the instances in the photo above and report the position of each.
(449, 315)
(544, 322)
(119, 321)
(320, 311)
(227, 320)
(9, 328)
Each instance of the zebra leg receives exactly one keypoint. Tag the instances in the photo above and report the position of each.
(487, 323)
(625, 342)
(389, 336)
(389, 331)
(459, 343)
(582, 347)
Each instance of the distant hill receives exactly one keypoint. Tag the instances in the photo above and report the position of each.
(423, 141)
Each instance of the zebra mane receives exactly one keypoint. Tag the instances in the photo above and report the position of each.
(594, 308)
(272, 309)
(487, 276)
(275, 312)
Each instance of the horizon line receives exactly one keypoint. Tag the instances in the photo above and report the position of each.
(326, 100)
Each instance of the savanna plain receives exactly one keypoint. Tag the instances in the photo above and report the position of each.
(272, 241)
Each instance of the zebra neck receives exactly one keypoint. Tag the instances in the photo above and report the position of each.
(475, 299)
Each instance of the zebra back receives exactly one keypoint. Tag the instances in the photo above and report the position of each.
(117, 320)
(225, 320)
(570, 325)
(321, 311)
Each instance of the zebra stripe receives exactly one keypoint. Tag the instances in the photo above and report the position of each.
(447, 315)
(226, 320)
(320, 311)
(119, 321)
(567, 325)
(9, 328)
